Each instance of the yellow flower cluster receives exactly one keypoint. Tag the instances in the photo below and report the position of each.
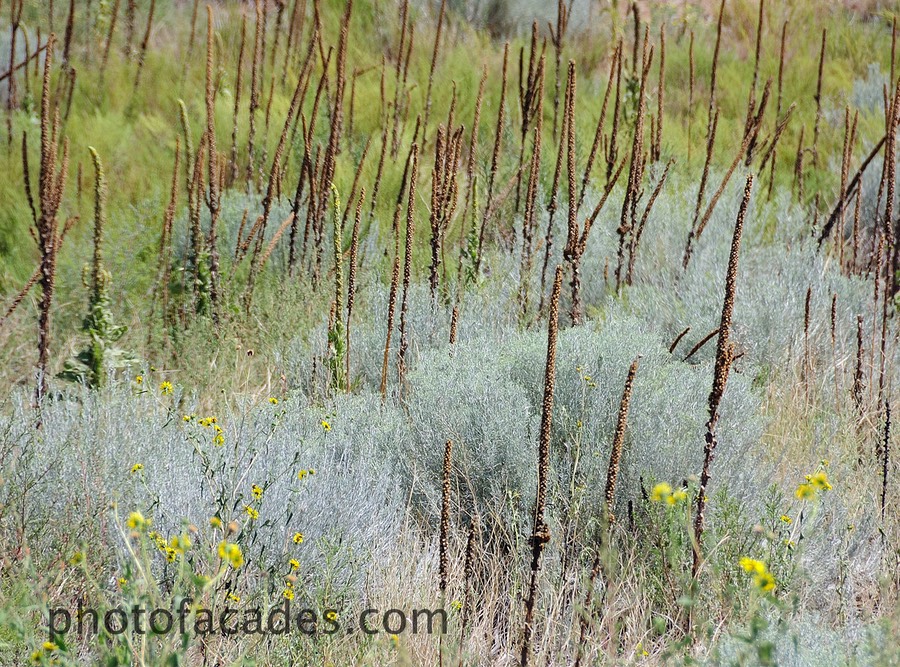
(587, 379)
(251, 512)
(136, 521)
(47, 650)
(814, 483)
(257, 491)
(762, 578)
(306, 471)
(232, 553)
(662, 492)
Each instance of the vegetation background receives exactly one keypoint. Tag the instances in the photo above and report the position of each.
(321, 357)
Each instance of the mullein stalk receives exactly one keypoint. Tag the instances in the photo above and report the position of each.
(541, 534)
(407, 266)
(434, 57)
(618, 444)
(238, 86)
(495, 159)
(142, 53)
(351, 279)
(724, 358)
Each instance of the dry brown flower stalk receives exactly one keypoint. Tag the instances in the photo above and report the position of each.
(774, 145)
(724, 357)
(238, 86)
(618, 443)
(690, 116)
(351, 280)
(541, 535)
(495, 157)
(130, 17)
(193, 35)
(553, 202)
(598, 133)
(407, 265)
(473, 145)
(557, 38)
(469, 573)
(298, 16)
(818, 98)
(639, 232)
(398, 72)
(710, 145)
(528, 223)
(703, 341)
(695, 233)
(444, 191)
(51, 184)
(886, 457)
(434, 57)
(392, 294)
(164, 262)
(142, 52)
(528, 102)
(214, 197)
(656, 150)
(628, 221)
(254, 92)
(444, 557)
(677, 340)
(858, 376)
(114, 15)
(612, 151)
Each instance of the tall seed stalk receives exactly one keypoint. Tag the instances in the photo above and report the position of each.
(541, 534)
(724, 358)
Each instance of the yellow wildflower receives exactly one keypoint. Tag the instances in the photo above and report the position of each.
(215, 522)
(257, 491)
(820, 481)
(50, 646)
(139, 379)
(251, 512)
(233, 597)
(805, 492)
(273, 400)
(298, 538)
(136, 521)
(180, 543)
(219, 440)
(660, 492)
(764, 581)
(325, 425)
(232, 553)
(294, 563)
(752, 566)
(288, 593)
(786, 519)
(170, 554)
(137, 467)
(166, 388)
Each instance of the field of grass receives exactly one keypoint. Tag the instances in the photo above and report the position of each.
(573, 325)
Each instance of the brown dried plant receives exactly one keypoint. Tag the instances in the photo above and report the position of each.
(724, 358)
